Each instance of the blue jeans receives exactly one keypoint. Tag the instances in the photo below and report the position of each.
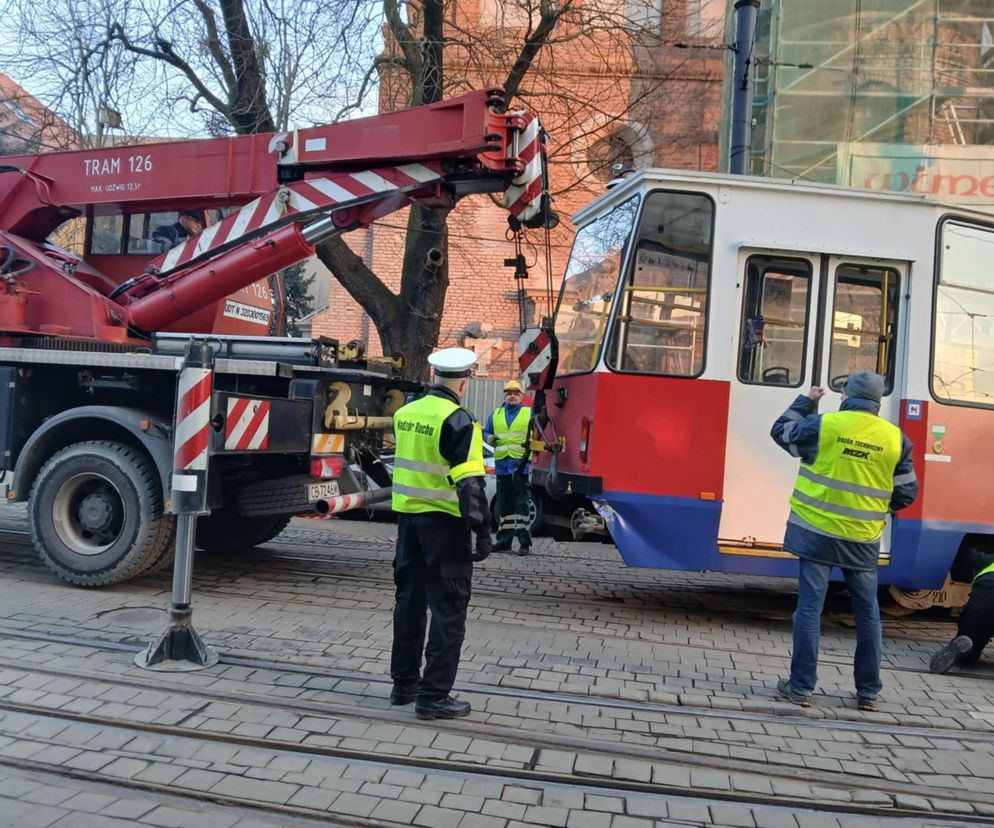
(812, 586)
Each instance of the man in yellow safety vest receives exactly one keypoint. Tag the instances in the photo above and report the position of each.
(856, 468)
(507, 431)
(439, 492)
(974, 629)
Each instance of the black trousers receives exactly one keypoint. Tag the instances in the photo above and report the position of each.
(977, 618)
(431, 570)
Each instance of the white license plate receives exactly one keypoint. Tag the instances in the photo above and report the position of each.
(319, 491)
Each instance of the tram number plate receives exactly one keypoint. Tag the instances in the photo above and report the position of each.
(319, 491)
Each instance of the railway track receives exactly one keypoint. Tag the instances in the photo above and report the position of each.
(322, 569)
(527, 773)
(859, 724)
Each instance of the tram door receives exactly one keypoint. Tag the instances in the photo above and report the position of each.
(794, 332)
(864, 330)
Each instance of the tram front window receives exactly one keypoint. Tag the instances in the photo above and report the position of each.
(662, 312)
(588, 290)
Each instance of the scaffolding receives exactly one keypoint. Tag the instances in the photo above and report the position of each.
(832, 78)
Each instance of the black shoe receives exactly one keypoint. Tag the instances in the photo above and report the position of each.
(502, 547)
(868, 704)
(785, 691)
(525, 550)
(943, 661)
(447, 708)
(403, 695)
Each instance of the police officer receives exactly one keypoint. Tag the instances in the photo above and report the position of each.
(507, 431)
(974, 629)
(855, 468)
(438, 490)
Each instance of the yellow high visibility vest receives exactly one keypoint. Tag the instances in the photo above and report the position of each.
(423, 480)
(846, 492)
(510, 438)
(984, 571)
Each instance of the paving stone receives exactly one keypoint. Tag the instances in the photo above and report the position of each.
(257, 789)
(542, 815)
(505, 810)
(312, 797)
(129, 809)
(395, 811)
(622, 821)
(774, 818)
(433, 817)
(732, 815)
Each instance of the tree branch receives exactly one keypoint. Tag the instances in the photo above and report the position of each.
(534, 41)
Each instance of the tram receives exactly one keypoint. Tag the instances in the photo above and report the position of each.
(695, 307)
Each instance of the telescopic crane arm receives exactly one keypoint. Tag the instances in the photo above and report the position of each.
(309, 184)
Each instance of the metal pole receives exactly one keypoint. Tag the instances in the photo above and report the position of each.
(740, 145)
(180, 648)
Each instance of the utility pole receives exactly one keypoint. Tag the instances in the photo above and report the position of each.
(740, 145)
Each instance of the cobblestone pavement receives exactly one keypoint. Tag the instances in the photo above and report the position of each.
(602, 696)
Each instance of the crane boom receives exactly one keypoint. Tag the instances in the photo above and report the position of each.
(339, 177)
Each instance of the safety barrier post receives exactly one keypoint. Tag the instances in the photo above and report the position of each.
(180, 648)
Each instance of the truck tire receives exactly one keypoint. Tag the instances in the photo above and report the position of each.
(95, 513)
(223, 531)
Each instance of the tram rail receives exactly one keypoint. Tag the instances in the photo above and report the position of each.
(525, 774)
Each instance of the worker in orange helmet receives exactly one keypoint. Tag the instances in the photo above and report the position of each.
(507, 431)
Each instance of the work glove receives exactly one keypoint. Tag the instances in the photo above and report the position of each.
(484, 546)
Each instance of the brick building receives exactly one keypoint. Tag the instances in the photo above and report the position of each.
(643, 103)
(27, 125)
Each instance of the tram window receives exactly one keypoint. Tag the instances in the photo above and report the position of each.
(774, 327)
(963, 331)
(588, 290)
(661, 319)
(863, 324)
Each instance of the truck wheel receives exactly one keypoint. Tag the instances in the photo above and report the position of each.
(223, 531)
(95, 513)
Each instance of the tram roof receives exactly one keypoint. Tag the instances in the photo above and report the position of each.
(654, 176)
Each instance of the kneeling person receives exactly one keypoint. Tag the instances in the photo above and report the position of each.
(975, 628)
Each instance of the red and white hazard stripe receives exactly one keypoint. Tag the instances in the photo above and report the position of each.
(523, 198)
(318, 194)
(246, 427)
(535, 356)
(193, 418)
(343, 503)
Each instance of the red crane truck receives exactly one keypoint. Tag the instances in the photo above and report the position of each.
(90, 345)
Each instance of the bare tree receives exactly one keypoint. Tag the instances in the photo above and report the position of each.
(247, 66)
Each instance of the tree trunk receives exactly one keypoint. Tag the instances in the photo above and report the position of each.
(422, 290)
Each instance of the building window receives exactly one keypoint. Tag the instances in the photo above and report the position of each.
(963, 330)
(774, 327)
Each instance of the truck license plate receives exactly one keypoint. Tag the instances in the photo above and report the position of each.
(319, 491)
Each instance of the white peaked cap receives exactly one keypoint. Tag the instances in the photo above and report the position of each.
(452, 362)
